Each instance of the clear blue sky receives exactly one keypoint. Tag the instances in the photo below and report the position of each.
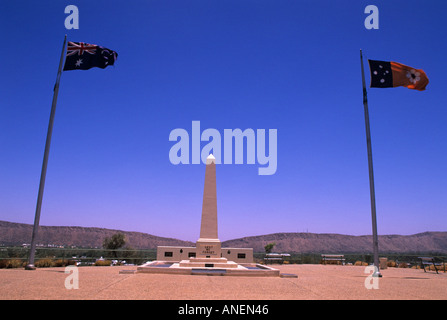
(288, 65)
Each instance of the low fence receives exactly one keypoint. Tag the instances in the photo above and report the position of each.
(352, 258)
(89, 256)
(78, 256)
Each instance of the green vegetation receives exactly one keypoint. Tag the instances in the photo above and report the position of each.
(394, 260)
(268, 247)
(16, 257)
(117, 241)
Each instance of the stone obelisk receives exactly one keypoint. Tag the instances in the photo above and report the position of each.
(208, 255)
(209, 245)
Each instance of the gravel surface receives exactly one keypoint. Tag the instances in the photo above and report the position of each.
(314, 282)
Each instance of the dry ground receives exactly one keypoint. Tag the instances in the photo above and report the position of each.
(314, 282)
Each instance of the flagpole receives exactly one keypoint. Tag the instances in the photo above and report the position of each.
(371, 175)
(30, 265)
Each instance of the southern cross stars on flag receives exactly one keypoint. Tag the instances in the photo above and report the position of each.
(83, 56)
(385, 74)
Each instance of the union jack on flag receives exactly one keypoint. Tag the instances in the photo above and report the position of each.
(80, 47)
(83, 56)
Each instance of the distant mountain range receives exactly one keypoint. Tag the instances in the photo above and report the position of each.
(434, 242)
(12, 234)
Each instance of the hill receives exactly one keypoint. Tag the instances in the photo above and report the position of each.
(339, 243)
(18, 233)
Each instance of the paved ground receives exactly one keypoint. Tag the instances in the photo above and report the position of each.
(316, 282)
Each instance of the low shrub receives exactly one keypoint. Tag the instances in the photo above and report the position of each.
(432, 268)
(361, 263)
(44, 263)
(391, 264)
(11, 263)
(103, 263)
(63, 263)
(403, 265)
(331, 262)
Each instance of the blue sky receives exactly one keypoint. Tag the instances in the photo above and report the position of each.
(287, 65)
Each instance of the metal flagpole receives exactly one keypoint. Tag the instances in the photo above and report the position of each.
(30, 265)
(371, 176)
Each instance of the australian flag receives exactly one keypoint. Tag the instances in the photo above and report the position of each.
(83, 56)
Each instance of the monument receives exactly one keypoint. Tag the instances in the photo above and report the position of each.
(208, 257)
(208, 244)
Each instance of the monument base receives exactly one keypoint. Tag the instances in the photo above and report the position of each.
(208, 248)
(229, 268)
(208, 263)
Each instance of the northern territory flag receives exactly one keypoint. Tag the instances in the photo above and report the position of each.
(386, 74)
(83, 56)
